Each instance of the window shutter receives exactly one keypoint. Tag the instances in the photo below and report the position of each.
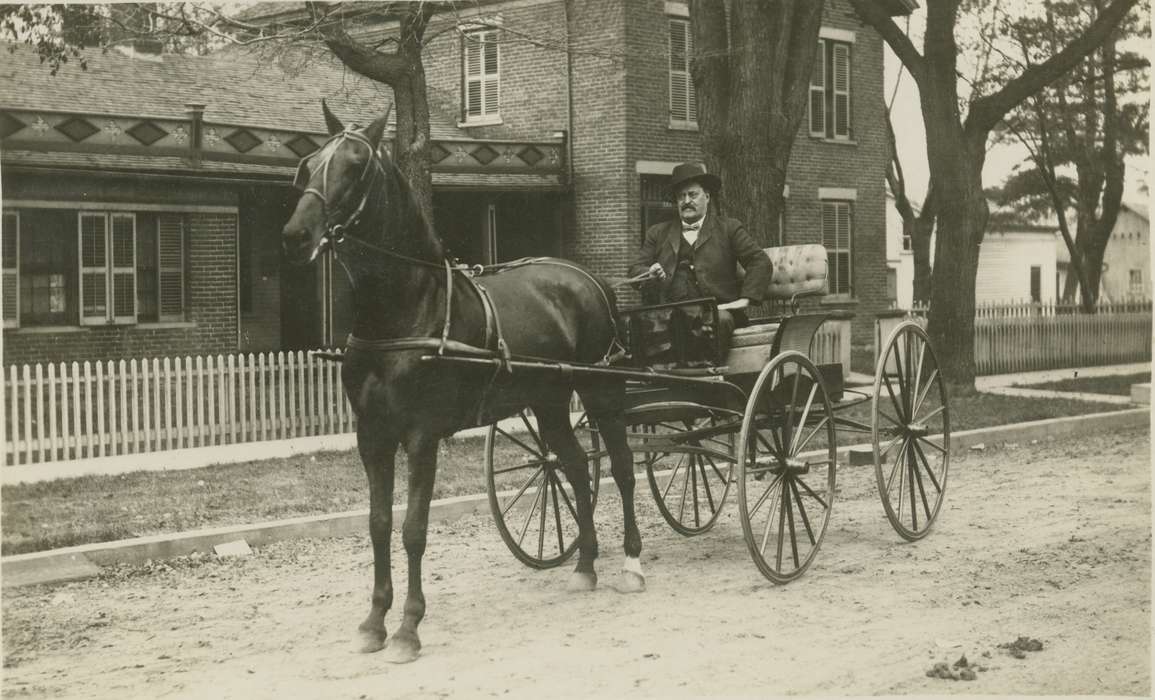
(10, 236)
(836, 232)
(818, 93)
(482, 79)
(491, 83)
(93, 269)
(170, 267)
(123, 292)
(841, 56)
(683, 101)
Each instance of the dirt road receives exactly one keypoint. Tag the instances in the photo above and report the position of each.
(1049, 541)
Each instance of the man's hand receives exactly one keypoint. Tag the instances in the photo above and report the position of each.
(658, 271)
(736, 304)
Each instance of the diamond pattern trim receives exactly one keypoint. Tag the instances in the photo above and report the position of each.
(77, 128)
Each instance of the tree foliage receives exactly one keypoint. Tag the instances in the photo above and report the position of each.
(1079, 132)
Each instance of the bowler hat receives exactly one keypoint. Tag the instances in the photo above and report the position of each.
(693, 172)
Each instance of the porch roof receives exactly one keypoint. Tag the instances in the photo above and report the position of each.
(231, 114)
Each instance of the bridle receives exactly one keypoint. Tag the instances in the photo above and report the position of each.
(335, 230)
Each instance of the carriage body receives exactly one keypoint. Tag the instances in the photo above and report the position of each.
(761, 418)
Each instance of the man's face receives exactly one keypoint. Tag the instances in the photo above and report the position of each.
(692, 200)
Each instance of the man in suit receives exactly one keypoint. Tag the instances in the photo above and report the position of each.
(697, 254)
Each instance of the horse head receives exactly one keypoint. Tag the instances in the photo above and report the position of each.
(336, 182)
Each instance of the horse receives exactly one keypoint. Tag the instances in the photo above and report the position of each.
(409, 302)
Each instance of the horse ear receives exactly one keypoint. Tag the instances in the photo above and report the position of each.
(376, 130)
(331, 121)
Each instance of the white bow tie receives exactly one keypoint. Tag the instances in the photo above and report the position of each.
(696, 226)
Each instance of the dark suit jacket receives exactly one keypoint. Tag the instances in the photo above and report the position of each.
(722, 244)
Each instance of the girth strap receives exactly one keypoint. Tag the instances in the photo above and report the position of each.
(492, 315)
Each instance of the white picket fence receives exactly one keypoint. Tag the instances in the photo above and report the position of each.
(1022, 337)
(70, 411)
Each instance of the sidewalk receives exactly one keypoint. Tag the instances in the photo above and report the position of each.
(1013, 384)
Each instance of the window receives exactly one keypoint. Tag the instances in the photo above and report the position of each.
(1135, 286)
(656, 206)
(88, 268)
(837, 230)
(830, 91)
(480, 76)
(10, 258)
(1036, 284)
(683, 100)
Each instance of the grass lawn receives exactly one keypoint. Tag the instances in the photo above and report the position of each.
(66, 512)
(1119, 385)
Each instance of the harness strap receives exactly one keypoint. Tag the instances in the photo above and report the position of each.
(448, 309)
(402, 344)
(491, 313)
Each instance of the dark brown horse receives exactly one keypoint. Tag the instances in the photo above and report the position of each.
(356, 202)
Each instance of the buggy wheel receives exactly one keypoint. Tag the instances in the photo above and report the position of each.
(691, 480)
(910, 431)
(784, 494)
(529, 496)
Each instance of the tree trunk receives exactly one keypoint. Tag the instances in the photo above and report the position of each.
(752, 66)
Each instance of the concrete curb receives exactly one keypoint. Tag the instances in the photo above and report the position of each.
(84, 561)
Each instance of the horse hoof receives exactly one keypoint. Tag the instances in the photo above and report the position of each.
(372, 641)
(402, 649)
(630, 582)
(580, 582)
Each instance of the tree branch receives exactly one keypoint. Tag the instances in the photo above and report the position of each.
(871, 12)
(986, 112)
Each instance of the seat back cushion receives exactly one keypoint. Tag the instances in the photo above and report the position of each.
(799, 271)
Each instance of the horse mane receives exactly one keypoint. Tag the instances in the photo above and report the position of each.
(408, 212)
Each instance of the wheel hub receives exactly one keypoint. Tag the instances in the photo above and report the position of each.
(917, 429)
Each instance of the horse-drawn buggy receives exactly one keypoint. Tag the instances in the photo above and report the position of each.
(438, 347)
(761, 418)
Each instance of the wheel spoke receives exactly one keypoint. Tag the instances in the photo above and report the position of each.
(539, 453)
(530, 514)
(926, 465)
(893, 441)
(894, 421)
(769, 520)
(802, 420)
(925, 390)
(893, 399)
(911, 465)
(917, 471)
(806, 441)
(685, 486)
(762, 499)
(932, 414)
(554, 488)
(528, 465)
(673, 474)
(781, 530)
(568, 504)
(694, 489)
(814, 495)
(517, 497)
(544, 507)
(917, 368)
(926, 441)
(530, 429)
(802, 513)
(897, 462)
(786, 497)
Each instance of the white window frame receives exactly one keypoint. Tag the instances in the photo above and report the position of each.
(475, 41)
(680, 80)
(11, 268)
(846, 208)
(109, 268)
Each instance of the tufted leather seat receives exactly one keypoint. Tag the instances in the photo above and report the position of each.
(799, 271)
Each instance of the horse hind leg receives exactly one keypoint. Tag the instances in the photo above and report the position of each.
(604, 406)
(557, 433)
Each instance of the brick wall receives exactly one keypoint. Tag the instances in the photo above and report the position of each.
(211, 304)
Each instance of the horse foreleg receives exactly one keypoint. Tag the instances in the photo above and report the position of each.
(378, 455)
(405, 645)
(558, 434)
(613, 431)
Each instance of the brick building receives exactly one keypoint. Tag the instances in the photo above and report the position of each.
(143, 198)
